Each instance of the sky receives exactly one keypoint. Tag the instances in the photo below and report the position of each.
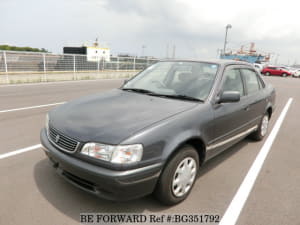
(150, 27)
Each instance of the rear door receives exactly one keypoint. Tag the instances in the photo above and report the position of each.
(254, 96)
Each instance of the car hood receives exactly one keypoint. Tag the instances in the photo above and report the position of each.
(113, 116)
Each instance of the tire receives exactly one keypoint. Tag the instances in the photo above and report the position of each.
(267, 73)
(167, 190)
(284, 74)
(262, 130)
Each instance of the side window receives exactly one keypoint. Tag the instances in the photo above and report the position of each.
(233, 81)
(251, 81)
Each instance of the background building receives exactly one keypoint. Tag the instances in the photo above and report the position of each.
(94, 53)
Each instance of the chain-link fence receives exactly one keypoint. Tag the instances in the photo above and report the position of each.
(17, 67)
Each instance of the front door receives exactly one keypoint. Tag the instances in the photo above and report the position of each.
(230, 118)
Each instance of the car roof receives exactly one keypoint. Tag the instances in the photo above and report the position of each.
(223, 62)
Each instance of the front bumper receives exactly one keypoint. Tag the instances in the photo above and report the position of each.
(105, 183)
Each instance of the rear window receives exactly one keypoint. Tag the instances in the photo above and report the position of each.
(251, 81)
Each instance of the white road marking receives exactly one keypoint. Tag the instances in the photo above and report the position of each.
(234, 209)
(9, 154)
(31, 107)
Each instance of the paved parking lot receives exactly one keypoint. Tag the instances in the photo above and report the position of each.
(32, 193)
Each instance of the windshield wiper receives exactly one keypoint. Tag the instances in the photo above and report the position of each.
(139, 90)
(183, 97)
(145, 91)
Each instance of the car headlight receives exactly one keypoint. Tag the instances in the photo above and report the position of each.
(121, 154)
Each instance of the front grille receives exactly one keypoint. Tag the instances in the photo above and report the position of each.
(61, 141)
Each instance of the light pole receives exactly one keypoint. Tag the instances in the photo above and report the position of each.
(225, 42)
(276, 60)
(143, 50)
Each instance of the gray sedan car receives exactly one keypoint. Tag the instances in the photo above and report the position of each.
(154, 133)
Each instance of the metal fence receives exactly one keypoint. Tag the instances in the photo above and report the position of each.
(22, 67)
(14, 62)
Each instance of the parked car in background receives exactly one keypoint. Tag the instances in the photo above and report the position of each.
(296, 73)
(277, 71)
(154, 133)
(258, 67)
(288, 68)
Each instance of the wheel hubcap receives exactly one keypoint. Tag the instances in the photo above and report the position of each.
(264, 125)
(184, 176)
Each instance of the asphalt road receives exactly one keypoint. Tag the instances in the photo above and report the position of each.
(32, 193)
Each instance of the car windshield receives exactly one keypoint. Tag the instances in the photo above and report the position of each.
(181, 79)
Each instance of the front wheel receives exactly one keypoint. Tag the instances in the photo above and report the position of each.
(262, 130)
(284, 74)
(178, 177)
(267, 74)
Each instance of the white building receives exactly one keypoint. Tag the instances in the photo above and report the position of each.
(95, 54)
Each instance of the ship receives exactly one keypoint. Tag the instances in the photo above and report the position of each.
(249, 55)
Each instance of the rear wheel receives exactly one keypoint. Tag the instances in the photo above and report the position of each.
(178, 177)
(262, 130)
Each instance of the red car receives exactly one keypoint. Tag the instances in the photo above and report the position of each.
(272, 70)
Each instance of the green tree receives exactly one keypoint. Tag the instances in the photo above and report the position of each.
(27, 49)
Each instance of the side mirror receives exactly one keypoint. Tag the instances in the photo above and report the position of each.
(229, 96)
